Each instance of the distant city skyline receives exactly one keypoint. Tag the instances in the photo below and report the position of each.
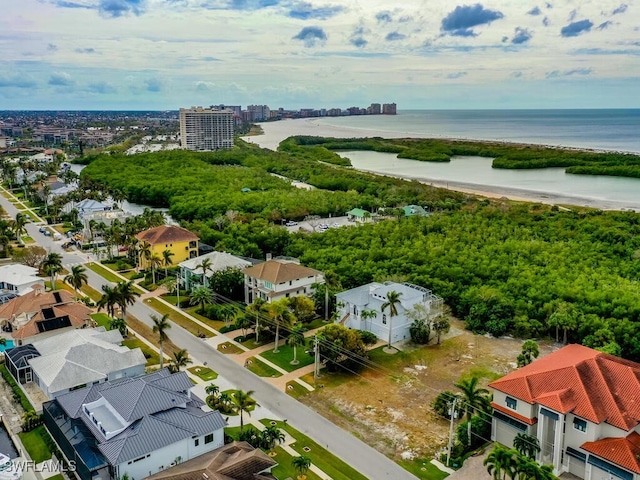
(167, 54)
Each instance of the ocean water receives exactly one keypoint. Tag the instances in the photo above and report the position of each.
(605, 129)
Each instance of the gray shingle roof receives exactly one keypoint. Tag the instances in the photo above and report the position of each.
(152, 403)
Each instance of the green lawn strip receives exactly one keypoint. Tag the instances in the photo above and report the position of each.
(250, 343)
(284, 469)
(295, 390)
(91, 292)
(128, 274)
(261, 369)
(17, 391)
(35, 444)
(57, 477)
(106, 274)
(321, 458)
(423, 468)
(317, 323)
(333, 379)
(285, 355)
(179, 318)
(229, 348)
(215, 324)
(153, 358)
(102, 319)
(205, 373)
(28, 239)
(172, 299)
(60, 285)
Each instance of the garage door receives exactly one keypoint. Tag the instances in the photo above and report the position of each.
(577, 467)
(505, 433)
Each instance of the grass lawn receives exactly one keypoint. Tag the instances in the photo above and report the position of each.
(333, 379)
(179, 318)
(317, 323)
(35, 444)
(205, 373)
(285, 355)
(325, 461)
(90, 292)
(172, 299)
(146, 332)
(423, 468)
(215, 324)
(229, 348)
(262, 369)
(295, 390)
(28, 239)
(102, 319)
(250, 343)
(109, 275)
(284, 469)
(153, 358)
(57, 477)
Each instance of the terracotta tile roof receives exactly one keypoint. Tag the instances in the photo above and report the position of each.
(76, 312)
(166, 234)
(593, 385)
(511, 413)
(276, 271)
(621, 451)
(34, 301)
(234, 461)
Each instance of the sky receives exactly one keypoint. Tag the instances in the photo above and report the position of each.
(420, 54)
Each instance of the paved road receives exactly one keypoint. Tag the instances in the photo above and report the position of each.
(356, 453)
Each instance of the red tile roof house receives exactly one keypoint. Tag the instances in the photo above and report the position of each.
(582, 405)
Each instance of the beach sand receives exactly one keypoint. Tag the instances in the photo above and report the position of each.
(275, 132)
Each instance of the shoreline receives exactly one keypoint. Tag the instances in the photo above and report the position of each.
(275, 132)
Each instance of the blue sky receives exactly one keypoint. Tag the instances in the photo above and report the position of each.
(164, 54)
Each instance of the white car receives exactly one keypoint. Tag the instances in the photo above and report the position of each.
(291, 223)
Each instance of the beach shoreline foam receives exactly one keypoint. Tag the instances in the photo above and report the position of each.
(275, 132)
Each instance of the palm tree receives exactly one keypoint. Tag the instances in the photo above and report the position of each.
(301, 464)
(119, 324)
(108, 300)
(393, 299)
(201, 295)
(144, 251)
(205, 266)
(180, 359)
(159, 326)
(243, 402)
(270, 435)
(52, 265)
(526, 445)
(166, 260)
(294, 339)
(212, 389)
(155, 261)
(255, 309)
(368, 314)
(500, 462)
(126, 295)
(277, 310)
(76, 278)
(20, 222)
(474, 398)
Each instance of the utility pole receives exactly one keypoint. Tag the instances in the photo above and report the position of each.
(326, 302)
(178, 288)
(316, 370)
(452, 414)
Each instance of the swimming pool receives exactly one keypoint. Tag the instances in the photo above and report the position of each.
(9, 345)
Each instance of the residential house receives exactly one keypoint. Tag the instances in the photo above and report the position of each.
(86, 207)
(133, 426)
(179, 241)
(39, 314)
(360, 215)
(355, 308)
(234, 461)
(19, 279)
(278, 278)
(73, 359)
(583, 407)
(220, 261)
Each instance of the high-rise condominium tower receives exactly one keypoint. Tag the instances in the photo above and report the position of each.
(205, 129)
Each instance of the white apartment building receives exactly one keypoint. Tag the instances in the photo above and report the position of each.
(204, 129)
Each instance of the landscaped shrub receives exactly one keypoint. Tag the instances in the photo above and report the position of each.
(18, 394)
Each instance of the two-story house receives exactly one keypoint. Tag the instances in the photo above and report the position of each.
(135, 426)
(182, 243)
(18, 279)
(361, 308)
(278, 278)
(583, 407)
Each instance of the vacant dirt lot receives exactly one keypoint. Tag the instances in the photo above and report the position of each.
(389, 406)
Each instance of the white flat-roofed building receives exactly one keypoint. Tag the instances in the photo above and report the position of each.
(205, 129)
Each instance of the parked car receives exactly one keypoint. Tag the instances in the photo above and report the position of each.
(42, 229)
(47, 233)
(291, 223)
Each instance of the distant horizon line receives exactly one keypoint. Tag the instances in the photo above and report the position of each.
(363, 115)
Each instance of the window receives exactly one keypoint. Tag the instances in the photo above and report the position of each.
(580, 424)
(384, 319)
(208, 438)
(197, 442)
(512, 403)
